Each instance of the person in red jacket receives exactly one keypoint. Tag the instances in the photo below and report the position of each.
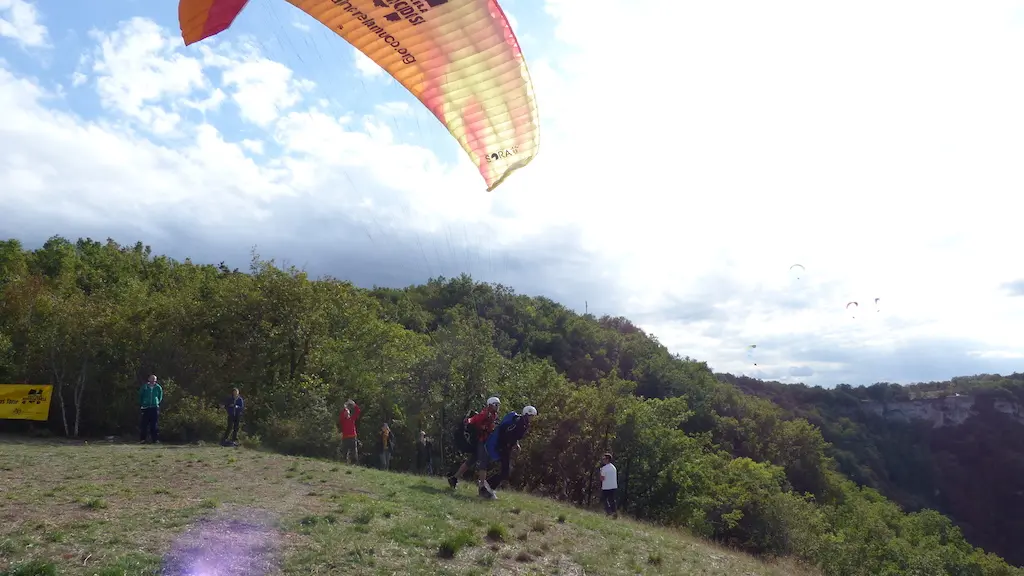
(347, 424)
(483, 424)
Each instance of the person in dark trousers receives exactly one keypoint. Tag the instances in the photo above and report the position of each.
(425, 454)
(482, 425)
(387, 446)
(150, 396)
(234, 407)
(347, 425)
(504, 442)
(609, 484)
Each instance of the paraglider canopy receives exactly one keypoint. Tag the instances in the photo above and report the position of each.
(459, 58)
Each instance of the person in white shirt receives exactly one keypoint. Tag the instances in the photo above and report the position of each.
(609, 484)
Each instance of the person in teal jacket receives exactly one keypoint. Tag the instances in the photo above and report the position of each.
(150, 396)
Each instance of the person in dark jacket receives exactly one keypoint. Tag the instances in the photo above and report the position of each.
(425, 454)
(234, 407)
(150, 396)
(504, 442)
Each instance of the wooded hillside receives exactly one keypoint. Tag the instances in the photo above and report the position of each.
(972, 470)
(95, 318)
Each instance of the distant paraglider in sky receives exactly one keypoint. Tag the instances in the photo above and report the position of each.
(877, 307)
(750, 353)
(797, 270)
(459, 58)
(855, 307)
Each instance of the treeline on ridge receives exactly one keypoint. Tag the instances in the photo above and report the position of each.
(95, 318)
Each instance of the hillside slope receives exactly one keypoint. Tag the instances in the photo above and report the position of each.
(955, 446)
(96, 319)
(125, 509)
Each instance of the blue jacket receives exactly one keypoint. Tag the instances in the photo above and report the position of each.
(234, 406)
(510, 430)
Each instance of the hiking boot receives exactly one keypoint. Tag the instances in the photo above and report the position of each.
(453, 482)
(488, 494)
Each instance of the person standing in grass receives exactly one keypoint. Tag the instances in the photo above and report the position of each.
(609, 484)
(347, 424)
(234, 407)
(425, 458)
(387, 446)
(150, 396)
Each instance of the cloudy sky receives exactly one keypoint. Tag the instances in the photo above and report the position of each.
(691, 153)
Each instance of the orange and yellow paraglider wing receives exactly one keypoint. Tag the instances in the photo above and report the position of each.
(460, 58)
(201, 19)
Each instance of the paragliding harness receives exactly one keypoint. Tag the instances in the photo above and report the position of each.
(494, 441)
(464, 435)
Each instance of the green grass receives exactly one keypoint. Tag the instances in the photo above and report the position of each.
(113, 509)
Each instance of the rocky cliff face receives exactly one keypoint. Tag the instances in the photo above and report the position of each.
(946, 411)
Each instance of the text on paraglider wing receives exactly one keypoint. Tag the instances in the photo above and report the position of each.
(501, 154)
(411, 11)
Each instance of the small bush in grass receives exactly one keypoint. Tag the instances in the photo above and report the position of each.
(561, 518)
(314, 520)
(654, 559)
(539, 526)
(33, 568)
(497, 533)
(364, 517)
(451, 545)
(95, 503)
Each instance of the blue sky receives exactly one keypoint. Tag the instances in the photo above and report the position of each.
(680, 174)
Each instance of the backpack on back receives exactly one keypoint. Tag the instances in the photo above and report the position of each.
(463, 435)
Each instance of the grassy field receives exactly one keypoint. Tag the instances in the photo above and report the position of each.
(110, 509)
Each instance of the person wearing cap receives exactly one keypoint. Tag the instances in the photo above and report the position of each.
(504, 442)
(483, 424)
(347, 425)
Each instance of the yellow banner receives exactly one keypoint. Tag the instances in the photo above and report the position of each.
(25, 401)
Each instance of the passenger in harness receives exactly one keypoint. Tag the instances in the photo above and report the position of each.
(504, 442)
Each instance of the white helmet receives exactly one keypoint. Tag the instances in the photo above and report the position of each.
(529, 411)
(493, 401)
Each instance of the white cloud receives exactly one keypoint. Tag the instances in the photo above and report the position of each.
(262, 89)
(137, 69)
(19, 21)
(871, 149)
(208, 104)
(365, 65)
(393, 109)
(254, 146)
(678, 179)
